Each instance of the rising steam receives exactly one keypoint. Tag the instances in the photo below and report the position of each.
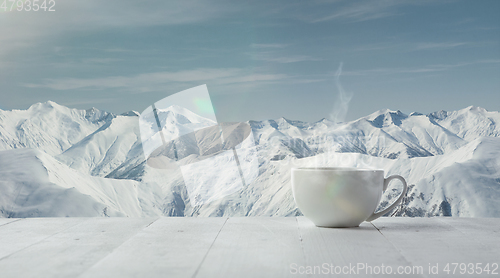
(342, 104)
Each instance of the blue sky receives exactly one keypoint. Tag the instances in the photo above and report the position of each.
(260, 60)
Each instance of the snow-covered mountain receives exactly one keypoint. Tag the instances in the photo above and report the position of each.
(48, 126)
(57, 161)
(34, 184)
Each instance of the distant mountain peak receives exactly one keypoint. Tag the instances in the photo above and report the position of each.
(46, 105)
(386, 111)
(386, 117)
(95, 115)
(473, 108)
(441, 115)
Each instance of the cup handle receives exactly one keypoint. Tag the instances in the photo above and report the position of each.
(386, 183)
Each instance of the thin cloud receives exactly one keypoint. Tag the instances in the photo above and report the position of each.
(87, 101)
(489, 61)
(274, 53)
(268, 45)
(152, 81)
(362, 11)
(439, 46)
(115, 50)
(375, 47)
(389, 71)
(415, 46)
(100, 60)
(25, 29)
(428, 69)
(283, 59)
(358, 11)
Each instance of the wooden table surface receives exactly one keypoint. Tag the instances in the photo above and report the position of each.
(247, 247)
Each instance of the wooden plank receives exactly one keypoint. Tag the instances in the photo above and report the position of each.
(485, 231)
(240, 247)
(72, 251)
(254, 247)
(4, 221)
(170, 247)
(429, 242)
(353, 252)
(18, 235)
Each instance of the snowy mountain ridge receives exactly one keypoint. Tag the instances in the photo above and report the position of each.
(91, 162)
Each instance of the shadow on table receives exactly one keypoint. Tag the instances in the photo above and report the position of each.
(409, 227)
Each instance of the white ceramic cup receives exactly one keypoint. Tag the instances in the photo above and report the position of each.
(341, 197)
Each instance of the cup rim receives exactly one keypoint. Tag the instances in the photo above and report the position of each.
(336, 169)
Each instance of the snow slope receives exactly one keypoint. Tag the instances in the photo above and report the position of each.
(89, 162)
(34, 184)
(105, 149)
